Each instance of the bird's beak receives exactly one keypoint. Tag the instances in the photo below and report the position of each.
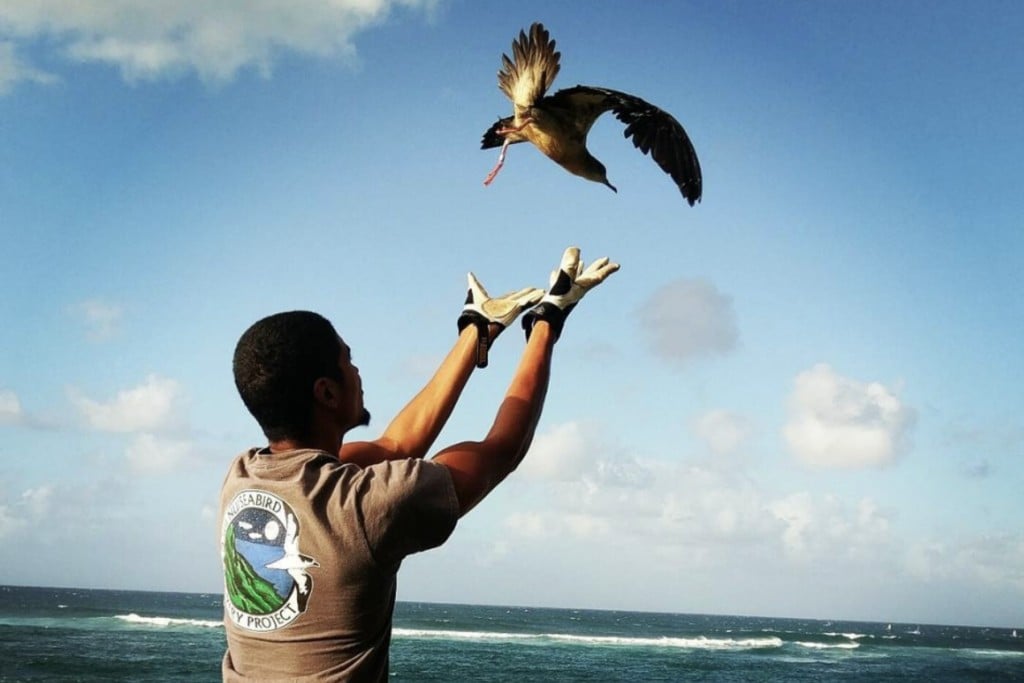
(611, 186)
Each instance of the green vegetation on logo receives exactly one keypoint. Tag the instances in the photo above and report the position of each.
(249, 591)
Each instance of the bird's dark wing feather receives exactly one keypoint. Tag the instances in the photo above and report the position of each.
(580, 105)
(492, 139)
(652, 130)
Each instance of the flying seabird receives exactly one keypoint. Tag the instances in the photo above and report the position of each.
(558, 124)
(294, 562)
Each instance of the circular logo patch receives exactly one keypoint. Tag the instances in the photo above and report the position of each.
(266, 580)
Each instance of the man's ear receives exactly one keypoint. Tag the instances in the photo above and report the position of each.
(324, 390)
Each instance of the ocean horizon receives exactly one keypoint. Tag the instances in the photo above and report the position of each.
(49, 633)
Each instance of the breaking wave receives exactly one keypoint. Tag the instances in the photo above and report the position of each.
(133, 618)
(827, 646)
(698, 643)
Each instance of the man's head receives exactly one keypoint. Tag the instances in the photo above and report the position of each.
(291, 367)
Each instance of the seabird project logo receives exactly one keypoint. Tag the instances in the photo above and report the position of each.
(266, 584)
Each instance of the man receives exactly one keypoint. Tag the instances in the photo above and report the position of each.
(314, 530)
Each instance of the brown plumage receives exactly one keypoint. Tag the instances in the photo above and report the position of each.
(558, 124)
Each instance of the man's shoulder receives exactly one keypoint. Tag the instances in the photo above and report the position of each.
(411, 472)
(292, 473)
(408, 506)
(271, 464)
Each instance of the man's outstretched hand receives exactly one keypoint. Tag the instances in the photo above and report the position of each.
(569, 282)
(486, 311)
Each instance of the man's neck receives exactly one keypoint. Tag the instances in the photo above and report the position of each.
(283, 445)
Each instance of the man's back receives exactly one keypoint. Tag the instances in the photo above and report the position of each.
(311, 548)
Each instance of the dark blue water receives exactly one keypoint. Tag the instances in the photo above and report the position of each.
(49, 634)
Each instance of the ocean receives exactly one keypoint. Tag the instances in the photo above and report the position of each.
(65, 634)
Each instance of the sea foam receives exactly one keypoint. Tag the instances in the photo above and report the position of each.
(827, 646)
(133, 618)
(991, 653)
(458, 635)
(698, 643)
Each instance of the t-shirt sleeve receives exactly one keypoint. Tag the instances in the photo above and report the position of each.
(407, 506)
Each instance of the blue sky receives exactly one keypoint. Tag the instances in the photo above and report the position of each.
(799, 398)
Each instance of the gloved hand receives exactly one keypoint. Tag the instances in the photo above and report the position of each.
(483, 311)
(568, 285)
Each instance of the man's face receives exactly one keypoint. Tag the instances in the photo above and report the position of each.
(355, 413)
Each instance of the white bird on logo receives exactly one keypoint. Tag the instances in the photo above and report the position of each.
(294, 562)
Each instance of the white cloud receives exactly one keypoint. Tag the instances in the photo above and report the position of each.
(693, 506)
(580, 452)
(725, 433)
(101, 318)
(37, 500)
(149, 407)
(564, 452)
(10, 408)
(148, 412)
(689, 319)
(149, 454)
(32, 505)
(995, 559)
(553, 525)
(823, 527)
(835, 421)
(598, 490)
(160, 38)
(685, 512)
(570, 539)
(44, 520)
(8, 522)
(494, 552)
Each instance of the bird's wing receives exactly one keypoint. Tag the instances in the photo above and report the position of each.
(579, 107)
(492, 139)
(531, 71)
(291, 537)
(652, 130)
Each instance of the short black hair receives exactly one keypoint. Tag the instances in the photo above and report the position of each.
(277, 361)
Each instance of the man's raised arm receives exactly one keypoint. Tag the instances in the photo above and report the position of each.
(413, 431)
(477, 467)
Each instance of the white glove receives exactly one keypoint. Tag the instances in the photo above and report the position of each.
(483, 310)
(568, 285)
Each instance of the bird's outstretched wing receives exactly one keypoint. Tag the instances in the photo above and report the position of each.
(652, 130)
(531, 71)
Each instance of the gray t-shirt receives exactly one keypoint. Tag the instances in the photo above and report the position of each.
(310, 550)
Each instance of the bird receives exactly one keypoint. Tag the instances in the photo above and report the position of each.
(558, 124)
(294, 562)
